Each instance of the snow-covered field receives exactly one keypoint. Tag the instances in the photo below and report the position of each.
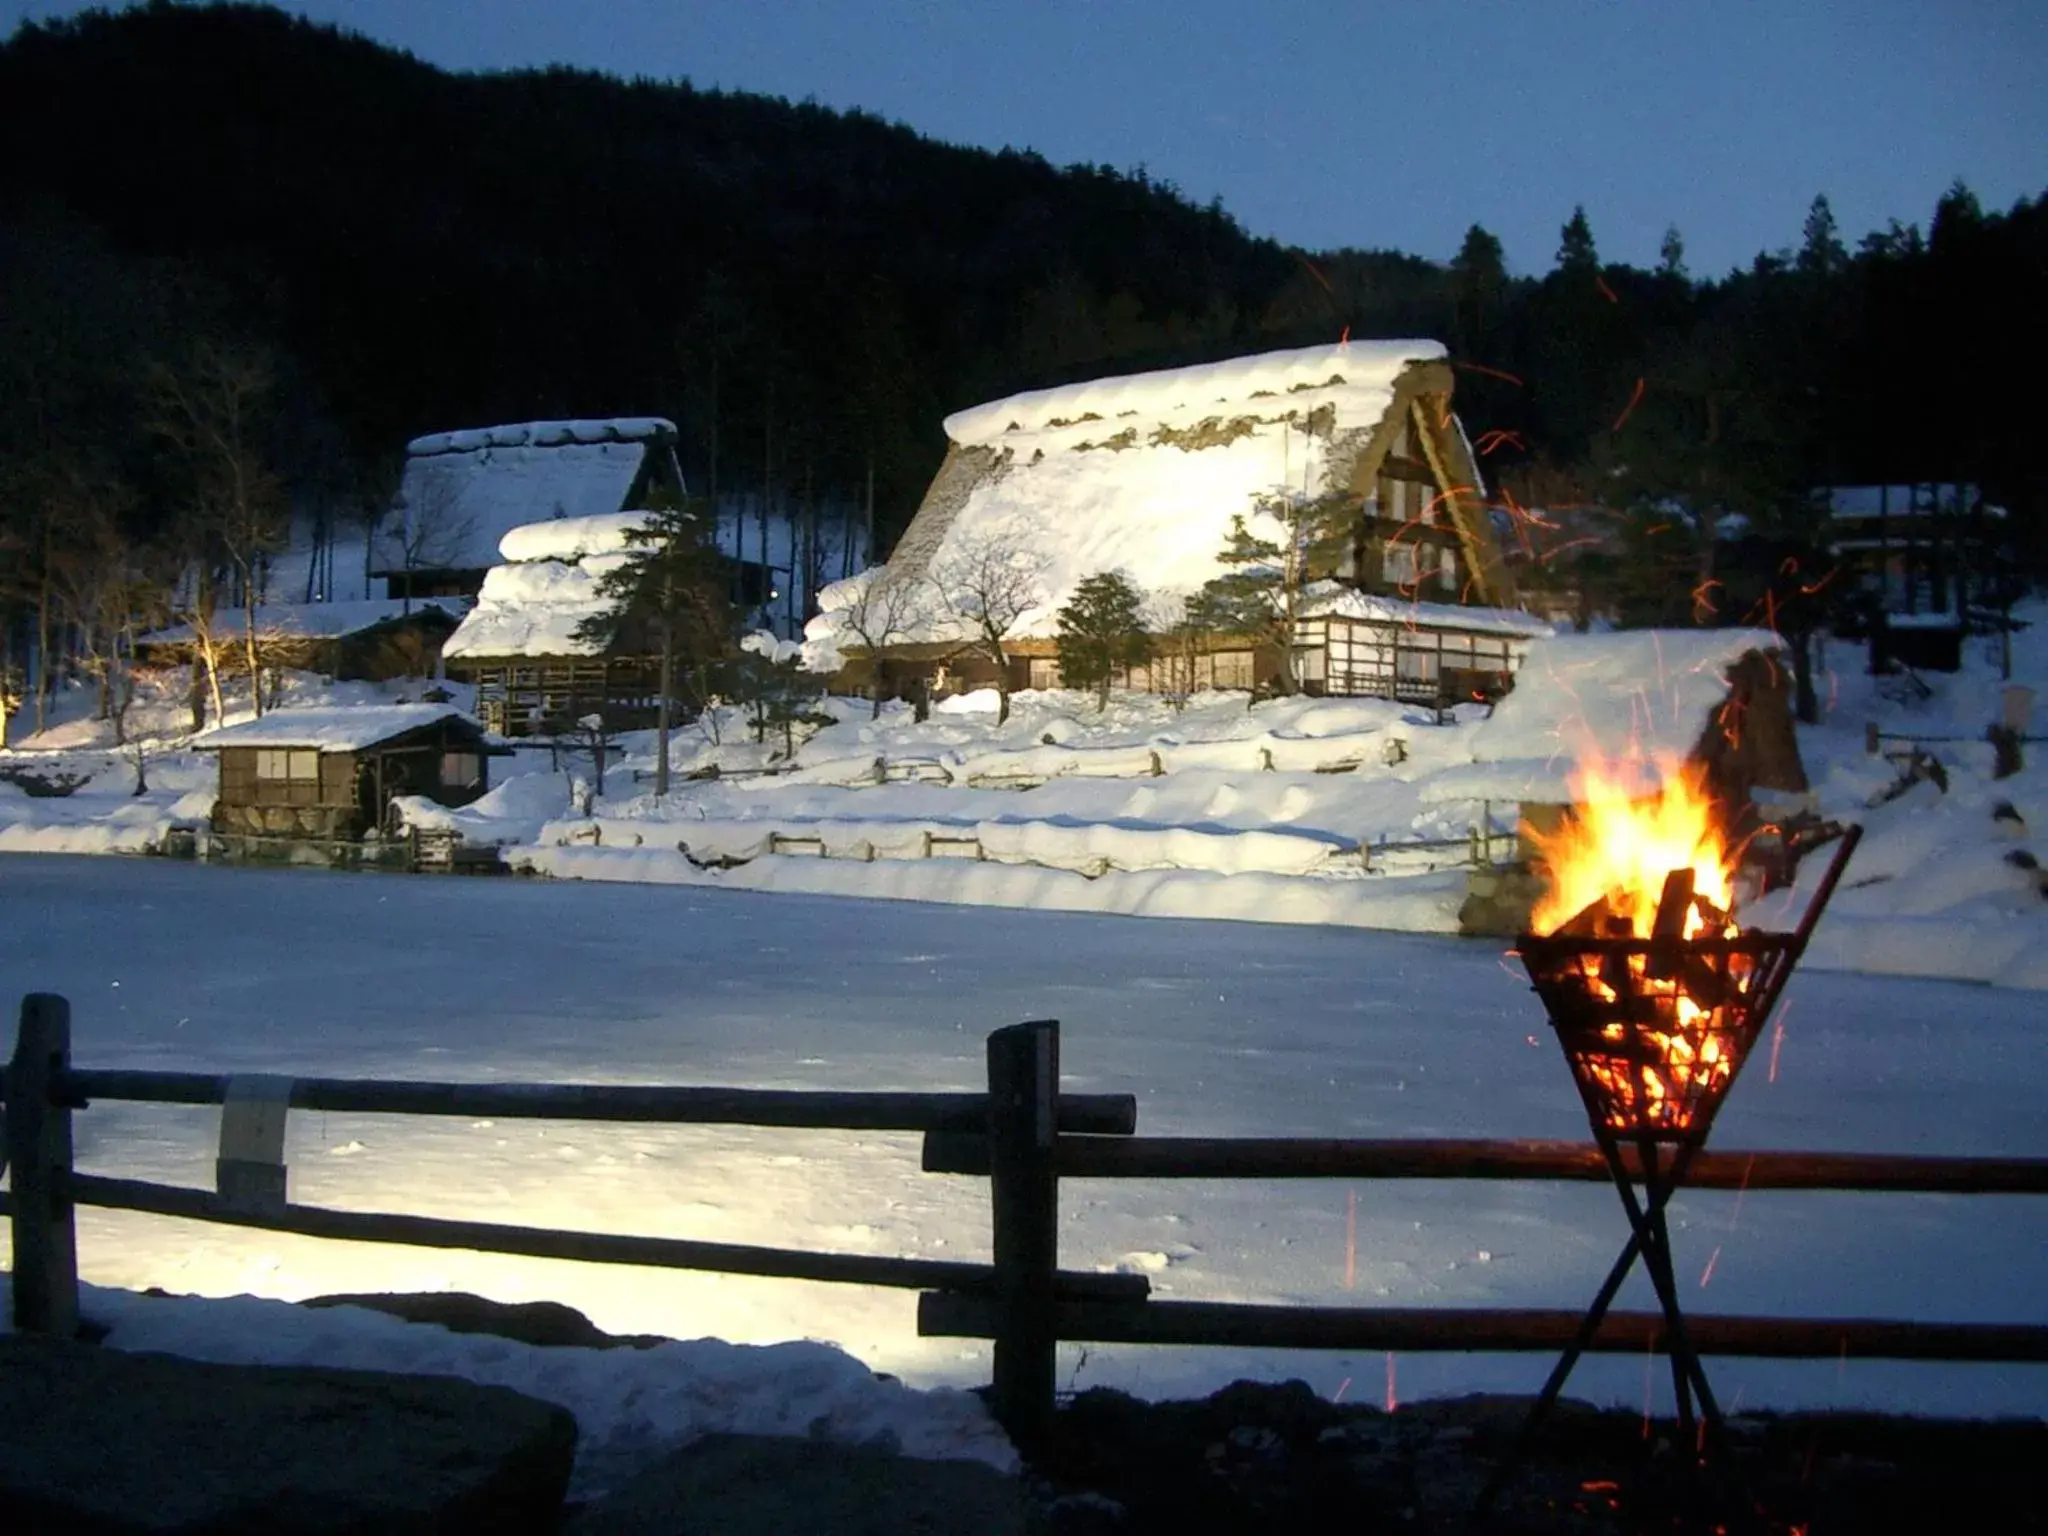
(1343, 812)
(1218, 1028)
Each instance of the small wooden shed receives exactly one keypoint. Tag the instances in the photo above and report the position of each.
(329, 775)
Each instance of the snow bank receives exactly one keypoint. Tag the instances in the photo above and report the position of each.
(632, 1406)
(1417, 904)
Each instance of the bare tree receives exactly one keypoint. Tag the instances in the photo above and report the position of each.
(111, 589)
(213, 409)
(886, 608)
(432, 529)
(987, 583)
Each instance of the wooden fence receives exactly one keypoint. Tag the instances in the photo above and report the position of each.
(1024, 1136)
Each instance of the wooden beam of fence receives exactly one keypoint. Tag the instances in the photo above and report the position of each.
(1111, 1114)
(1165, 1157)
(1475, 1330)
(45, 1264)
(587, 1247)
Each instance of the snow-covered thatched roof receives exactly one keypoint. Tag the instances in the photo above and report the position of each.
(345, 728)
(1641, 698)
(463, 491)
(313, 621)
(1331, 599)
(1144, 473)
(546, 587)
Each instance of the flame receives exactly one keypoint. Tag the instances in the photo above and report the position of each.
(1619, 845)
(1669, 1046)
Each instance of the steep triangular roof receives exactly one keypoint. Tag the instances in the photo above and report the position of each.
(463, 491)
(1144, 472)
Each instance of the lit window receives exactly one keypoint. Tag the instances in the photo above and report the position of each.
(459, 770)
(280, 763)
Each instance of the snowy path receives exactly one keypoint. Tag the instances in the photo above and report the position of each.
(1219, 1028)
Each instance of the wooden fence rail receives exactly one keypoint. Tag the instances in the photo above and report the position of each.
(1024, 1136)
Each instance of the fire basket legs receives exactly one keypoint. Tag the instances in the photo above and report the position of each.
(1649, 1240)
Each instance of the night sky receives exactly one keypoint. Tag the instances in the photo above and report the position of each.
(1337, 122)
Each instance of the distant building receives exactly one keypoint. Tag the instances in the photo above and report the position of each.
(1921, 566)
(464, 491)
(519, 646)
(372, 641)
(1144, 474)
(304, 782)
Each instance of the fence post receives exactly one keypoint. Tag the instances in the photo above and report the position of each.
(1023, 1085)
(39, 1152)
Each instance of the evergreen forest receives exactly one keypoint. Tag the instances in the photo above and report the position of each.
(236, 246)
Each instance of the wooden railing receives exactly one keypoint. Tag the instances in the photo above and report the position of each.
(43, 1091)
(1022, 1135)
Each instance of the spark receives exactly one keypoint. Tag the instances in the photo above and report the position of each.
(1708, 1273)
(1344, 340)
(1342, 1387)
(1606, 292)
(1649, 1360)
(1493, 373)
(1704, 608)
(1777, 1040)
(1393, 1398)
(1316, 272)
(1351, 1243)
(1635, 398)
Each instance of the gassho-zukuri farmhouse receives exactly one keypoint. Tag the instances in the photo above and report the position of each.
(1143, 474)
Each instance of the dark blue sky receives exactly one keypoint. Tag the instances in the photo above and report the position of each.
(1341, 122)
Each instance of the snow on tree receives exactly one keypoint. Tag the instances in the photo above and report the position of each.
(1102, 628)
(988, 583)
(1269, 560)
(673, 588)
(884, 608)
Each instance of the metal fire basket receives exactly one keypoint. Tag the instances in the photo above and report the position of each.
(1655, 1031)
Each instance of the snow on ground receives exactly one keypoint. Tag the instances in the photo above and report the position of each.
(103, 814)
(1218, 1028)
(1346, 812)
(631, 1405)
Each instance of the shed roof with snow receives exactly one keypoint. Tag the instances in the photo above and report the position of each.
(344, 728)
(1144, 473)
(463, 491)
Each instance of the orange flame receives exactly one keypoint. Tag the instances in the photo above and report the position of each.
(1620, 844)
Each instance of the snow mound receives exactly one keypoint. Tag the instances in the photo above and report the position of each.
(632, 1406)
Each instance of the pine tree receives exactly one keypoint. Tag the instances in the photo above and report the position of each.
(1101, 629)
(1479, 282)
(1575, 251)
(1260, 596)
(672, 589)
(1821, 252)
(1671, 256)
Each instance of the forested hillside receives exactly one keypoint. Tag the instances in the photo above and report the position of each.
(383, 248)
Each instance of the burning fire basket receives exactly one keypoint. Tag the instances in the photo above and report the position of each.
(1655, 1029)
